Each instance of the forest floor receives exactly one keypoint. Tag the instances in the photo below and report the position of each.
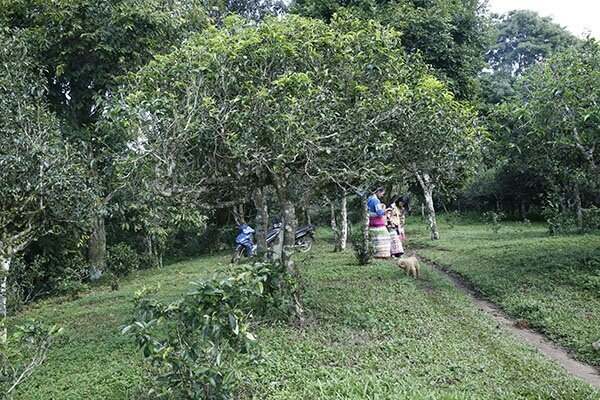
(372, 332)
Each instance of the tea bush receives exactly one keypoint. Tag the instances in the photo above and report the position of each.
(122, 259)
(194, 347)
(362, 251)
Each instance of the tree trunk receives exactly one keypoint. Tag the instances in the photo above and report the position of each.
(149, 246)
(262, 219)
(578, 207)
(4, 269)
(151, 250)
(523, 209)
(97, 249)
(334, 226)
(343, 239)
(289, 243)
(239, 214)
(427, 186)
(159, 258)
(365, 222)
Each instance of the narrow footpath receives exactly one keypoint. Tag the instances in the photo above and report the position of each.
(581, 370)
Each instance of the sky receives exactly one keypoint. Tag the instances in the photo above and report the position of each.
(579, 16)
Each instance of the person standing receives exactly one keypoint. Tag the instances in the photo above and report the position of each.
(394, 222)
(380, 237)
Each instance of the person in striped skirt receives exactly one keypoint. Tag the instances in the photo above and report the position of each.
(378, 232)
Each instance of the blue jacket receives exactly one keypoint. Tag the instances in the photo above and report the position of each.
(244, 234)
(375, 208)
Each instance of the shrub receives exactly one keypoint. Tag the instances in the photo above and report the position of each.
(362, 251)
(493, 220)
(195, 346)
(24, 351)
(566, 222)
(40, 276)
(591, 219)
(122, 259)
(71, 287)
(147, 261)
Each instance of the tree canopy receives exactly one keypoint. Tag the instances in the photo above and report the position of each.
(523, 38)
(450, 35)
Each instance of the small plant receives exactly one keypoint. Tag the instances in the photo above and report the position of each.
(494, 219)
(71, 287)
(591, 219)
(122, 260)
(195, 346)
(557, 220)
(452, 218)
(363, 251)
(23, 352)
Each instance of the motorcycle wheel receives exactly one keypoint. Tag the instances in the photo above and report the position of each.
(238, 253)
(305, 244)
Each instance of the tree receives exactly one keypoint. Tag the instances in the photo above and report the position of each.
(256, 10)
(520, 39)
(268, 105)
(557, 118)
(437, 140)
(84, 46)
(42, 185)
(450, 35)
(523, 38)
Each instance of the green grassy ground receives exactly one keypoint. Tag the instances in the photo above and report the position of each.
(553, 283)
(373, 333)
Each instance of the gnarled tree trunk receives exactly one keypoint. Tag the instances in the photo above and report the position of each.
(97, 248)
(427, 186)
(289, 243)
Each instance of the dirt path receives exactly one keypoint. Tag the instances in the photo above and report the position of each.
(551, 350)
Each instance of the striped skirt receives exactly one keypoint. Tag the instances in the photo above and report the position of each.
(380, 241)
(396, 247)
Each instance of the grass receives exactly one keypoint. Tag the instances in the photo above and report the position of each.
(551, 283)
(372, 333)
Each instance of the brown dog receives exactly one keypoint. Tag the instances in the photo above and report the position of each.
(410, 265)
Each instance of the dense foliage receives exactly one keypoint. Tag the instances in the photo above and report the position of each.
(42, 187)
(197, 345)
(450, 35)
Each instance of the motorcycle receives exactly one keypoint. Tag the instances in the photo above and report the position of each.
(304, 240)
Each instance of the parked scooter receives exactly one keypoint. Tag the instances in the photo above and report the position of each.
(304, 240)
